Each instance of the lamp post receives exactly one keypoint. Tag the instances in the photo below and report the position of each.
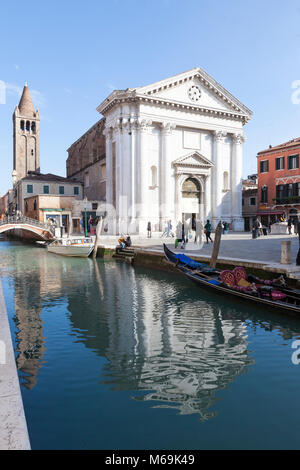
(85, 216)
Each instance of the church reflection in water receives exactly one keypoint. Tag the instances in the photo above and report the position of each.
(162, 338)
(158, 339)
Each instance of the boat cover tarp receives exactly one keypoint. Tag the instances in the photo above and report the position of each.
(192, 264)
(189, 262)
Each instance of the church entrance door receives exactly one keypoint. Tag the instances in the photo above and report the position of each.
(190, 201)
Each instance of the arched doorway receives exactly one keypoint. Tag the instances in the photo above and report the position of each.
(191, 198)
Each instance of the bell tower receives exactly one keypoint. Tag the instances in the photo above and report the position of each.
(26, 135)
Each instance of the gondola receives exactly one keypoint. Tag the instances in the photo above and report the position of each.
(287, 300)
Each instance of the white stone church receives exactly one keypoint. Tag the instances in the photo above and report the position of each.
(173, 151)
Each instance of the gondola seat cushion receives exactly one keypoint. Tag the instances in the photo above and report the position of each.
(227, 277)
(277, 295)
(240, 273)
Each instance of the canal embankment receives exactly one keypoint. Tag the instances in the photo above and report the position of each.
(13, 426)
(262, 257)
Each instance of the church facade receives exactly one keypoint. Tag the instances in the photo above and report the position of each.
(173, 152)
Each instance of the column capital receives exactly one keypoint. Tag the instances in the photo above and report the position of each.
(238, 138)
(143, 124)
(219, 135)
(167, 127)
(108, 133)
(126, 124)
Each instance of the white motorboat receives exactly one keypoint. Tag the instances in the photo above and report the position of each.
(81, 247)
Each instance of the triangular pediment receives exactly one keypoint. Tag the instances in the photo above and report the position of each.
(196, 88)
(193, 159)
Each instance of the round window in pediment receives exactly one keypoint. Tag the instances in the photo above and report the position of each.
(194, 93)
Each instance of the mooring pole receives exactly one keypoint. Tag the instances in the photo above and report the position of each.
(216, 247)
(285, 252)
(98, 233)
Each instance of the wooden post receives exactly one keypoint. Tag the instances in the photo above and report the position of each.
(98, 233)
(215, 251)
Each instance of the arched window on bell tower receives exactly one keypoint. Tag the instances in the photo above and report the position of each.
(27, 126)
(22, 125)
(33, 127)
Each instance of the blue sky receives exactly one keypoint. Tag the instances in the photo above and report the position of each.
(73, 53)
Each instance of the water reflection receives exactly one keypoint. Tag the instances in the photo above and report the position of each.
(162, 338)
(178, 349)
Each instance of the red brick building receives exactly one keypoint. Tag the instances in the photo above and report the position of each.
(279, 181)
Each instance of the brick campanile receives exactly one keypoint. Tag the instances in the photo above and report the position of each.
(26, 135)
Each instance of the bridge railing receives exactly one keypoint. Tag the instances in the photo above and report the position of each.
(14, 219)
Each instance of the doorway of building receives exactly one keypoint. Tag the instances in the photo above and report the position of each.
(190, 201)
(65, 223)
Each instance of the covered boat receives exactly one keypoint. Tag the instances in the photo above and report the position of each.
(81, 247)
(238, 283)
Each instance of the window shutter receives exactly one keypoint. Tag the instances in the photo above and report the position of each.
(297, 161)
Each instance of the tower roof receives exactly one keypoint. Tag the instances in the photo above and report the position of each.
(26, 107)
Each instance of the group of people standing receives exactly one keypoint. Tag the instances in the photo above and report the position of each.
(188, 231)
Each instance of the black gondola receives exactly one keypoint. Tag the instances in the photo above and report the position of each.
(209, 278)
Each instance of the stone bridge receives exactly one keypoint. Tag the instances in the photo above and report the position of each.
(26, 228)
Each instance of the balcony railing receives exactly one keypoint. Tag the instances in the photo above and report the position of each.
(287, 200)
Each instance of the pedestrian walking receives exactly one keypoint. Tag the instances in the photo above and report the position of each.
(169, 229)
(207, 231)
(198, 232)
(186, 231)
(256, 226)
(296, 222)
(149, 230)
(289, 224)
(182, 233)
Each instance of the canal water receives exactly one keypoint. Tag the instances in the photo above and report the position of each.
(116, 357)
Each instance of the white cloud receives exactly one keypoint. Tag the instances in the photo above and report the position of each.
(111, 86)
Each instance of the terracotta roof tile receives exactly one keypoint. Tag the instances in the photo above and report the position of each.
(34, 176)
(290, 143)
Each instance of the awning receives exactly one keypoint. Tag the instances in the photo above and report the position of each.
(51, 210)
(55, 210)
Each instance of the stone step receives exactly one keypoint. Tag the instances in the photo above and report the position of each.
(127, 259)
(125, 253)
